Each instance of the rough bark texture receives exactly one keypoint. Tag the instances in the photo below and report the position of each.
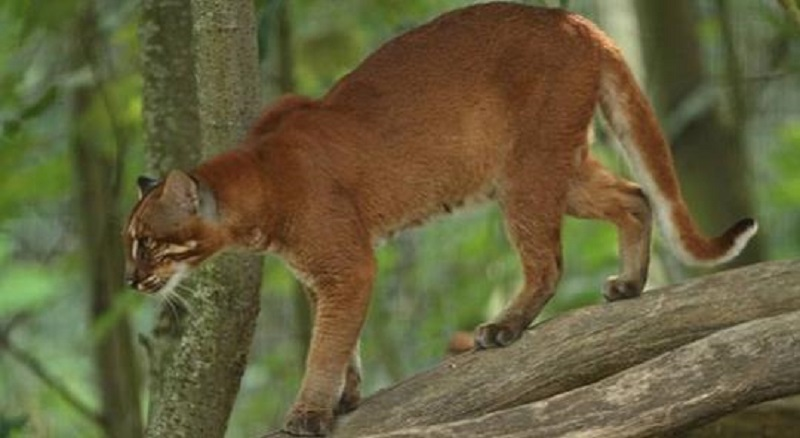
(774, 419)
(227, 71)
(169, 95)
(116, 366)
(734, 367)
(687, 354)
(172, 136)
(208, 354)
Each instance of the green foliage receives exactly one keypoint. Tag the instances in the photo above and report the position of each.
(450, 275)
(780, 193)
(12, 425)
(36, 108)
(786, 165)
(332, 37)
(25, 286)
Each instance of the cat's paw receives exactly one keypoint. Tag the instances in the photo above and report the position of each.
(351, 395)
(303, 422)
(494, 334)
(615, 289)
(348, 403)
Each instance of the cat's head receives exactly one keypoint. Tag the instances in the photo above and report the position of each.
(171, 229)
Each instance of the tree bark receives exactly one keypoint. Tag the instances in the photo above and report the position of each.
(688, 342)
(774, 419)
(741, 365)
(172, 137)
(207, 356)
(169, 94)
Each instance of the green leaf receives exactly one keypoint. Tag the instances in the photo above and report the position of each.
(47, 180)
(11, 424)
(42, 103)
(122, 306)
(25, 287)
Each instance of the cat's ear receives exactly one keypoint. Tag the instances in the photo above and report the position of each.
(181, 190)
(190, 195)
(146, 184)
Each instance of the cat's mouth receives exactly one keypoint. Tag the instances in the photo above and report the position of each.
(151, 284)
(168, 284)
(157, 284)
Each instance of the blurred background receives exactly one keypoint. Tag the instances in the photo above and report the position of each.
(723, 75)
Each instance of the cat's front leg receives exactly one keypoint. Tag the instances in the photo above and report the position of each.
(341, 304)
(351, 394)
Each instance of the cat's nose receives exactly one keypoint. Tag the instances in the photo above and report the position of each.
(130, 275)
(130, 280)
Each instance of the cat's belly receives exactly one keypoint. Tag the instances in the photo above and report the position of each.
(389, 223)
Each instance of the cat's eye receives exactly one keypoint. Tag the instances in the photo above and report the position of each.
(140, 245)
(158, 250)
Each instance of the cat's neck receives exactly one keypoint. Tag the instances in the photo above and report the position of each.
(242, 192)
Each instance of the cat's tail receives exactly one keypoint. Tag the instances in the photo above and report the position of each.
(634, 123)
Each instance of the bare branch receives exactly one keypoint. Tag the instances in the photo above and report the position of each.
(791, 10)
(574, 352)
(37, 369)
(732, 368)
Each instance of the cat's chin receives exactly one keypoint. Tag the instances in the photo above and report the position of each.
(166, 287)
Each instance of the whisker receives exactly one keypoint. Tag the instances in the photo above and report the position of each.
(194, 293)
(184, 288)
(166, 302)
(213, 282)
(181, 300)
(178, 305)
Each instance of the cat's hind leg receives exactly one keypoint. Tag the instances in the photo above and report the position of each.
(598, 194)
(533, 202)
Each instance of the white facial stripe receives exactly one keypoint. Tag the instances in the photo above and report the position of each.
(180, 249)
(134, 247)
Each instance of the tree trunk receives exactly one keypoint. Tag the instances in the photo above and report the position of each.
(674, 358)
(116, 365)
(701, 138)
(171, 124)
(199, 375)
(172, 136)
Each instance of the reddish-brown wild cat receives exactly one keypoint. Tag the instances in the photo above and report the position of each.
(490, 102)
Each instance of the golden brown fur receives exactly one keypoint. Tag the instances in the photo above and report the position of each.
(489, 102)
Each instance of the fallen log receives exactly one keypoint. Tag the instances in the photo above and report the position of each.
(576, 350)
(735, 367)
(773, 419)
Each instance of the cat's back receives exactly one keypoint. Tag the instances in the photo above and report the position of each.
(463, 49)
